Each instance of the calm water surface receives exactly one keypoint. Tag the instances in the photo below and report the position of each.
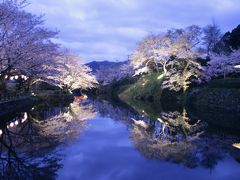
(100, 140)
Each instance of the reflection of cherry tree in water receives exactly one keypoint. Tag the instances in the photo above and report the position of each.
(65, 125)
(172, 136)
(30, 147)
(16, 142)
(116, 112)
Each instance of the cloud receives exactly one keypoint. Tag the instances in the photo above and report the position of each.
(110, 29)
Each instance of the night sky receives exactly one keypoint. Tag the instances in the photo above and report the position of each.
(109, 29)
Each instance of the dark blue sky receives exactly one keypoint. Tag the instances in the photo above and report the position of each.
(109, 29)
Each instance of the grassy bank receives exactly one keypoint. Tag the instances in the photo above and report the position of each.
(147, 87)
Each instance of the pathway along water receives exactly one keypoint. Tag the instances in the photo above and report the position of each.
(100, 140)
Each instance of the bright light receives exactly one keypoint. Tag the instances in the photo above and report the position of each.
(236, 145)
(16, 122)
(24, 117)
(24, 77)
(6, 76)
(237, 66)
(1, 132)
(160, 77)
(143, 84)
(11, 124)
(12, 78)
(16, 77)
(160, 120)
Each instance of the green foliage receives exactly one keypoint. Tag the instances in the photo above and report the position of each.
(148, 87)
(146, 109)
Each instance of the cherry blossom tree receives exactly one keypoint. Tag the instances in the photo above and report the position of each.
(163, 48)
(174, 52)
(143, 54)
(221, 65)
(27, 48)
(70, 72)
(25, 44)
(212, 35)
(183, 73)
(108, 76)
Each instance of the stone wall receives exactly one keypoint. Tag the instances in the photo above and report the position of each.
(16, 105)
(218, 98)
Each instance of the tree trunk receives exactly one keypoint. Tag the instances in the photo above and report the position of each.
(164, 68)
(29, 83)
(3, 87)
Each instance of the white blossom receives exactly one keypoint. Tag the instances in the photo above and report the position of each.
(221, 65)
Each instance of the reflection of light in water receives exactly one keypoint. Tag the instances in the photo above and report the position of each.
(159, 119)
(164, 124)
(16, 122)
(24, 117)
(140, 123)
(11, 124)
(236, 145)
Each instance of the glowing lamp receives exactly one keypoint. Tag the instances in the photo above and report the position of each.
(11, 124)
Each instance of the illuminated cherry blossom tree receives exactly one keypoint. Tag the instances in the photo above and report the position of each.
(108, 76)
(70, 72)
(221, 65)
(27, 48)
(163, 48)
(25, 44)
